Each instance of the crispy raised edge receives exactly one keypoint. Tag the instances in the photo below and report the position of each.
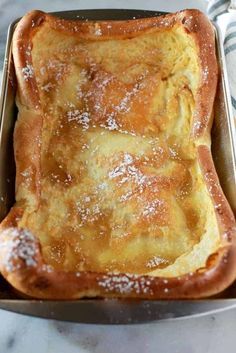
(27, 92)
(203, 33)
(37, 280)
(27, 132)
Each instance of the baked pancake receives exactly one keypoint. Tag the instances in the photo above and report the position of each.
(116, 191)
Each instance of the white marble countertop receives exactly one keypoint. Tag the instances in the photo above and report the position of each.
(210, 334)
(22, 334)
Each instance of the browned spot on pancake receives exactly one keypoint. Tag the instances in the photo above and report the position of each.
(41, 283)
(56, 171)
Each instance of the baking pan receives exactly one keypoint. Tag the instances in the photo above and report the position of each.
(117, 311)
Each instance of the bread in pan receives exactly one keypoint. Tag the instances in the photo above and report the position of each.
(116, 190)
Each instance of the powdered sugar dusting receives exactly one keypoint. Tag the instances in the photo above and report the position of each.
(128, 171)
(28, 50)
(205, 74)
(102, 186)
(28, 175)
(111, 123)
(126, 284)
(27, 71)
(126, 196)
(88, 214)
(47, 87)
(153, 208)
(82, 81)
(97, 30)
(156, 261)
(197, 125)
(82, 118)
(18, 244)
(124, 105)
(47, 268)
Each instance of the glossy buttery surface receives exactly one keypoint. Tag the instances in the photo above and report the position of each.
(121, 188)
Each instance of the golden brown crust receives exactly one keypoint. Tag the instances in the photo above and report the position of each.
(224, 213)
(28, 158)
(21, 46)
(203, 33)
(21, 261)
(28, 97)
(22, 265)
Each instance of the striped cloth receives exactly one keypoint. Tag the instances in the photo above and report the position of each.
(224, 13)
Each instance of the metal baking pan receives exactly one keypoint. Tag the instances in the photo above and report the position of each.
(117, 311)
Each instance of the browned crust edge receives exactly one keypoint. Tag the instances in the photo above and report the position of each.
(30, 117)
(33, 277)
